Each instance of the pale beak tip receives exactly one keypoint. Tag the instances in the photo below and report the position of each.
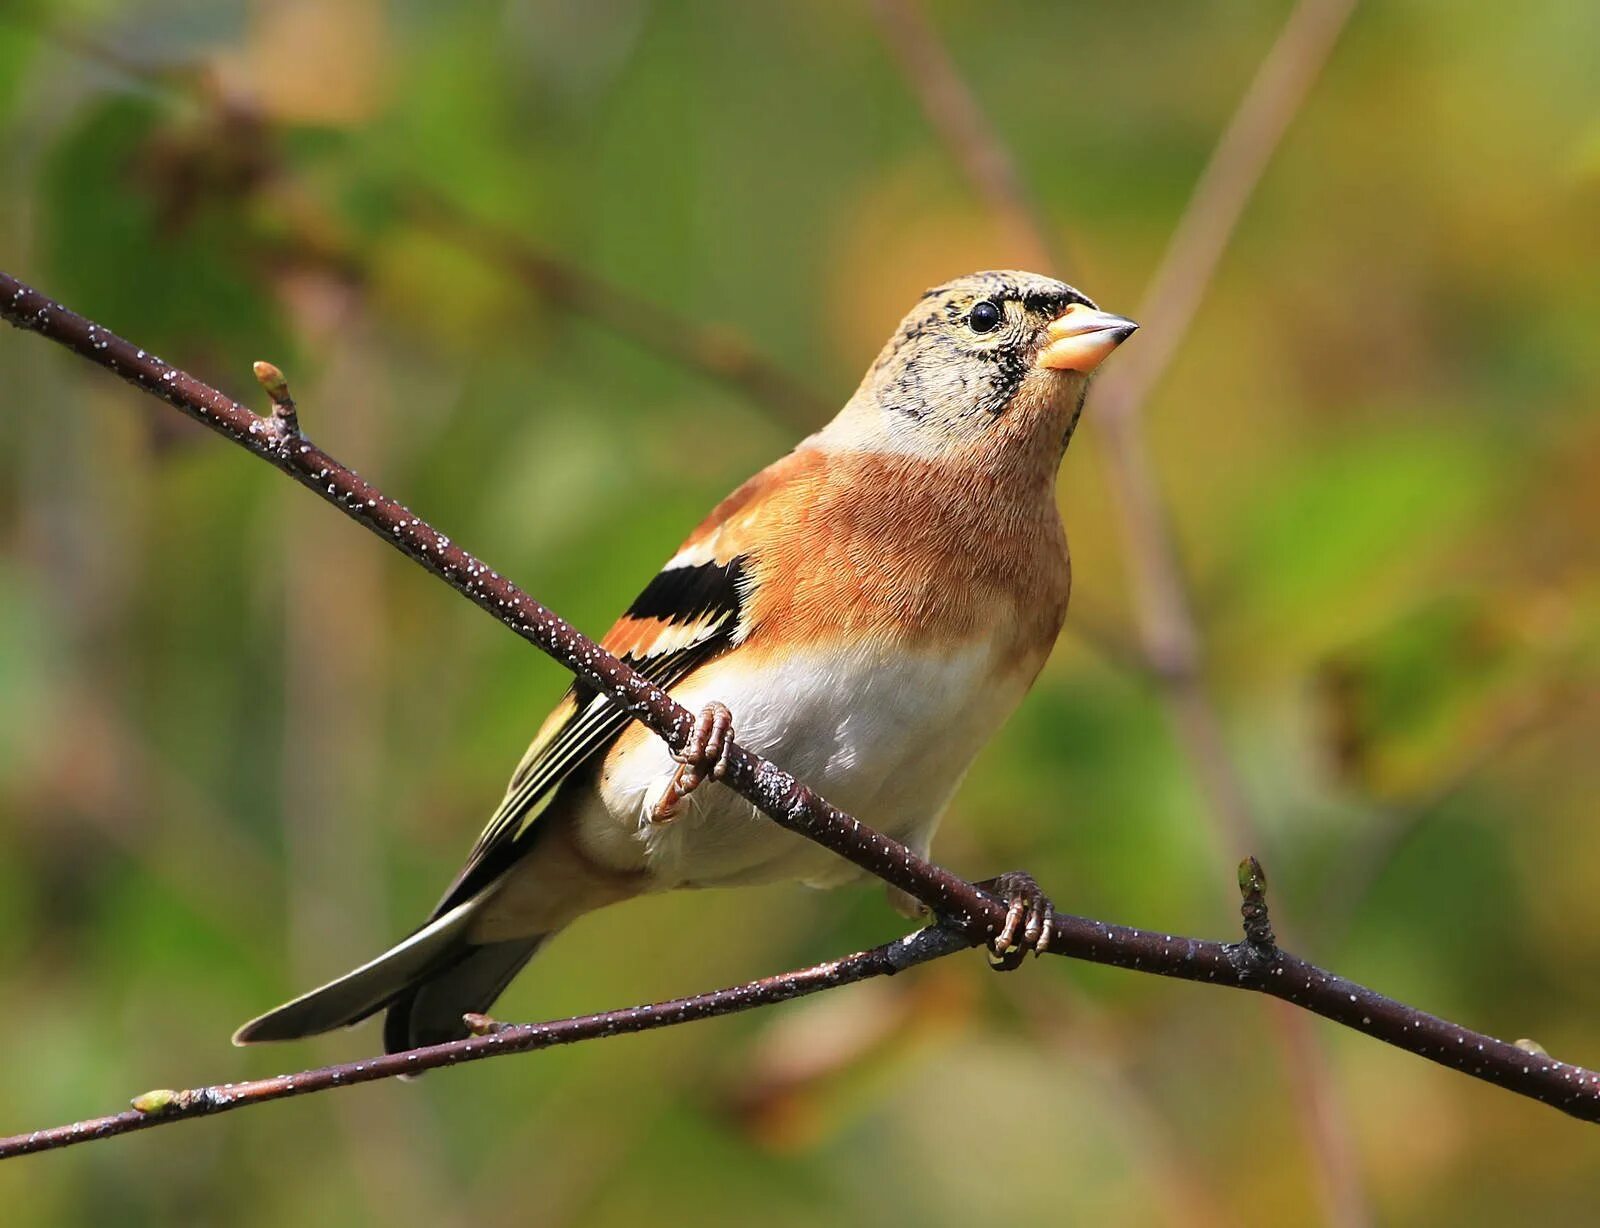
(1082, 337)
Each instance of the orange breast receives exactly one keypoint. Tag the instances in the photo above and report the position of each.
(873, 545)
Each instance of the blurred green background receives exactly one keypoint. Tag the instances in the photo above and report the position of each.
(242, 746)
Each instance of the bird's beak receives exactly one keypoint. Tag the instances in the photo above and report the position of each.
(1080, 338)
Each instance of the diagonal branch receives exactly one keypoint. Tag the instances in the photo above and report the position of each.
(164, 1106)
(1225, 187)
(1168, 630)
(968, 914)
(717, 351)
(952, 109)
(1254, 964)
(277, 440)
(1167, 626)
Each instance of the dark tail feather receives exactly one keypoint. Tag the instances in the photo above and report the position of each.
(370, 987)
(429, 1011)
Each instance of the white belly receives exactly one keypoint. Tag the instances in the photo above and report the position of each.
(885, 736)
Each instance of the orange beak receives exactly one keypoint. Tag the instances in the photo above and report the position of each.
(1080, 338)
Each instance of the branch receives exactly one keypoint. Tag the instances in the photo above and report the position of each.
(1255, 964)
(1168, 631)
(1225, 187)
(952, 109)
(717, 351)
(1166, 620)
(493, 1039)
(714, 350)
(278, 440)
(968, 914)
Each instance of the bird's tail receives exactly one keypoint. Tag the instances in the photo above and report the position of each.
(427, 982)
(429, 1011)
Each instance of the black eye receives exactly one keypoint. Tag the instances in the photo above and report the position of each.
(985, 317)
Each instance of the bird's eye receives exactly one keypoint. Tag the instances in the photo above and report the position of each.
(985, 317)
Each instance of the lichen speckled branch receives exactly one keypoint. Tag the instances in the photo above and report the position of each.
(492, 1039)
(277, 439)
(969, 914)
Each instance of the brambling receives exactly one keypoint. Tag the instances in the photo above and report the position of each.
(866, 611)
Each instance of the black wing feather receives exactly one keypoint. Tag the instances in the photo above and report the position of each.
(682, 594)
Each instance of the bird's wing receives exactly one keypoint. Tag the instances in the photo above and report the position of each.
(688, 614)
(701, 604)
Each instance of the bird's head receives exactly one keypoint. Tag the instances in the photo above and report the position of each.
(990, 363)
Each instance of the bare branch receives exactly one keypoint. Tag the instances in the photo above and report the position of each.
(1225, 187)
(968, 915)
(776, 792)
(1522, 1067)
(952, 109)
(1166, 619)
(492, 1038)
(715, 350)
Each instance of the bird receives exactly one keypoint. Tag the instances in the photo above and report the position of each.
(865, 612)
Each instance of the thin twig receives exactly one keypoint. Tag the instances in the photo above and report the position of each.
(1520, 1068)
(492, 1039)
(1225, 187)
(1166, 619)
(969, 915)
(714, 350)
(952, 109)
(1167, 625)
(717, 351)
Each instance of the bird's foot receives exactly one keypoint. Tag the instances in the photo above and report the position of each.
(1029, 925)
(703, 757)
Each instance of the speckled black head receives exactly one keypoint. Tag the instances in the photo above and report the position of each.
(969, 344)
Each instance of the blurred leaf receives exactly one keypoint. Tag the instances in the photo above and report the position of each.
(110, 254)
(1323, 547)
(29, 677)
(18, 45)
(1414, 689)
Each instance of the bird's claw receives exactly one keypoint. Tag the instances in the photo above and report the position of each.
(705, 754)
(704, 757)
(1029, 920)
